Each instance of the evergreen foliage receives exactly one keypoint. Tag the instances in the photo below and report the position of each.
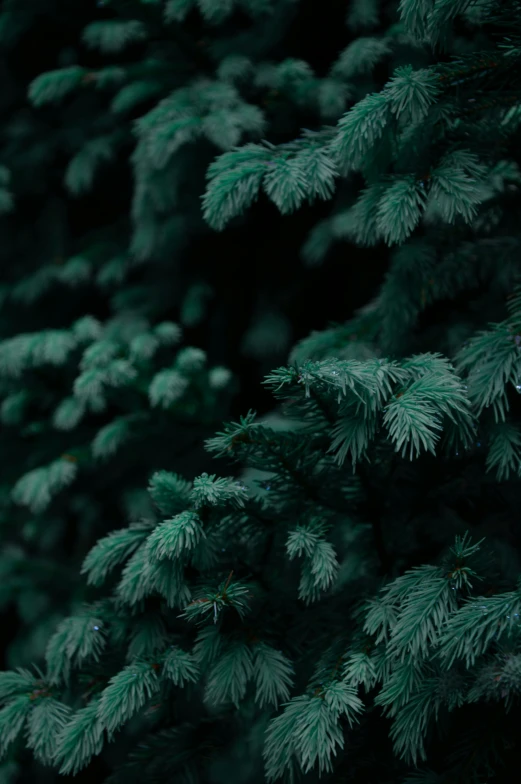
(342, 601)
(135, 393)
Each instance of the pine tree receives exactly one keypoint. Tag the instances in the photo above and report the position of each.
(145, 95)
(345, 604)
(85, 446)
(95, 385)
(95, 278)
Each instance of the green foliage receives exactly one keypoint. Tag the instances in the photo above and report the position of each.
(284, 617)
(46, 721)
(55, 85)
(80, 739)
(361, 56)
(111, 551)
(289, 175)
(74, 408)
(112, 36)
(15, 683)
(308, 730)
(273, 675)
(180, 667)
(12, 720)
(82, 168)
(76, 639)
(37, 488)
(172, 537)
(170, 492)
(409, 642)
(126, 693)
